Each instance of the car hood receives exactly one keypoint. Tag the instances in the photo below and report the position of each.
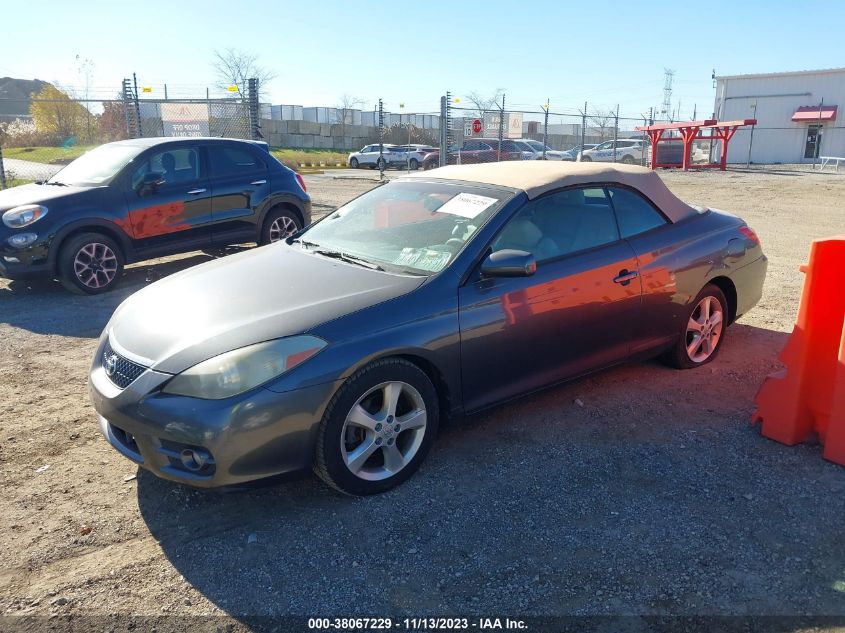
(258, 295)
(37, 194)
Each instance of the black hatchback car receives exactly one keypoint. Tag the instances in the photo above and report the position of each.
(138, 199)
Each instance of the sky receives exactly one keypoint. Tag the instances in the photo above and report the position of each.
(606, 53)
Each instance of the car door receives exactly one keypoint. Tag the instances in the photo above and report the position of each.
(571, 316)
(655, 245)
(168, 197)
(240, 182)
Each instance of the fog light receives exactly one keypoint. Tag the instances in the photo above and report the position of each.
(22, 240)
(12, 260)
(194, 459)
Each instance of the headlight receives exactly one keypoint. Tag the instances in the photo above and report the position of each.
(242, 369)
(24, 215)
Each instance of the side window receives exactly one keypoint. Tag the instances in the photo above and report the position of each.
(605, 145)
(561, 223)
(232, 161)
(177, 165)
(635, 213)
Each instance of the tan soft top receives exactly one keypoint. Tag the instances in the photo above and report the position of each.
(536, 177)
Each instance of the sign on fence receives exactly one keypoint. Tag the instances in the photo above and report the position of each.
(512, 129)
(184, 119)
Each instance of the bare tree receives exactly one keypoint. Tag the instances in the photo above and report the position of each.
(484, 104)
(602, 119)
(233, 66)
(345, 106)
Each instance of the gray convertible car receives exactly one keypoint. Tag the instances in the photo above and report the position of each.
(442, 293)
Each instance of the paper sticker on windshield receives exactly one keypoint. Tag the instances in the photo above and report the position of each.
(467, 205)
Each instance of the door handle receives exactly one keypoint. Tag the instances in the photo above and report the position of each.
(625, 276)
(194, 192)
(258, 182)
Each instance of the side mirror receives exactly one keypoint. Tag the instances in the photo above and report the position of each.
(150, 181)
(509, 263)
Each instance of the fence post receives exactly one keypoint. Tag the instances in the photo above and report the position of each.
(2, 170)
(501, 128)
(254, 123)
(816, 148)
(381, 138)
(615, 131)
(137, 106)
(545, 127)
(583, 127)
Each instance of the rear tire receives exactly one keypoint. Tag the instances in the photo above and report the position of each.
(280, 223)
(90, 264)
(360, 418)
(701, 332)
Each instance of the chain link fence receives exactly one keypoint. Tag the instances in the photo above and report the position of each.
(58, 128)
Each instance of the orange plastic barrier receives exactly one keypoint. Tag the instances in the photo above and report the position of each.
(808, 395)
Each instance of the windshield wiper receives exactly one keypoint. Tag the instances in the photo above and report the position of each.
(56, 183)
(305, 243)
(352, 259)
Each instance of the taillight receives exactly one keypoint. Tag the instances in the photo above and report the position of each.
(748, 232)
(301, 182)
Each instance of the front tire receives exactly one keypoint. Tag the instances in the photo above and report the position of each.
(353, 163)
(377, 429)
(381, 164)
(585, 159)
(279, 224)
(90, 264)
(414, 164)
(702, 332)
(628, 159)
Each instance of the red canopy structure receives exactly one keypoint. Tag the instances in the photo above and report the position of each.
(691, 131)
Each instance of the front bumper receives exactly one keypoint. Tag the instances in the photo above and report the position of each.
(25, 263)
(257, 434)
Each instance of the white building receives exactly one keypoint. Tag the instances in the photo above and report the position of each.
(797, 114)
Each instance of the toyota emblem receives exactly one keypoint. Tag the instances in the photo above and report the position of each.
(110, 364)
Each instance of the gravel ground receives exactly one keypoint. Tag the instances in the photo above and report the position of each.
(639, 490)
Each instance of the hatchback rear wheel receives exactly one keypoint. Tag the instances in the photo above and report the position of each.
(279, 224)
(378, 428)
(90, 263)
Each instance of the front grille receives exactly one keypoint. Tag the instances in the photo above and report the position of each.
(120, 370)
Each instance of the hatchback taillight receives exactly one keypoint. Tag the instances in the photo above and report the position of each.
(748, 232)
(301, 182)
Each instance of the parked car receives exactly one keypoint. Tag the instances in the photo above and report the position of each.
(576, 149)
(138, 199)
(628, 151)
(414, 154)
(377, 158)
(477, 150)
(537, 148)
(342, 347)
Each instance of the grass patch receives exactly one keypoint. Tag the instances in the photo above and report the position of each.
(48, 155)
(14, 182)
(311, 158)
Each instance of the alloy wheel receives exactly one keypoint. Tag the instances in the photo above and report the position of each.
(95, 265)
(704, 329)
(383, 431)
(281, 228)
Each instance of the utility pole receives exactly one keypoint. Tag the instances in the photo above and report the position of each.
(668, 77)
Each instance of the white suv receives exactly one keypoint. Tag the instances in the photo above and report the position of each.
(370, 156)
(628, 151)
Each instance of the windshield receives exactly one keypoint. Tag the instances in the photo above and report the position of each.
(538, 146)
(406, 226)
(97, 167)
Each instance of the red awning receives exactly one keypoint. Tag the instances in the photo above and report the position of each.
(811, 113)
